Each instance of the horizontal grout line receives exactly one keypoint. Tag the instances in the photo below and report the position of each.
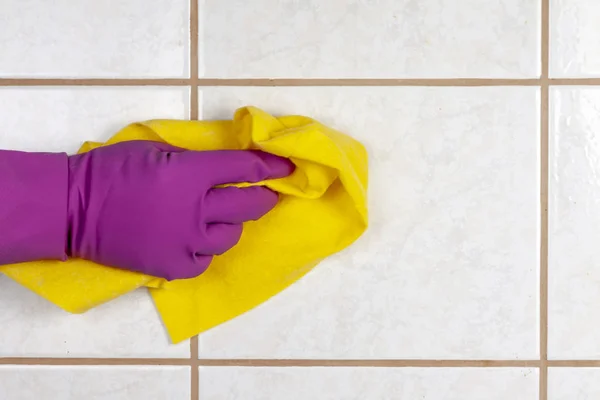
(370, 363)
(93, 82)
(294, 82)
(574, 363)
(400, 82)
(269, 363)
(96, 361)
(574, 81)
(266, 82)
(297, 363)
(368, 82)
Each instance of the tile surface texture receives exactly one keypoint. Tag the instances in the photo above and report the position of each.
(573, 383)
(126, 327)
(574, 223)
(94, 383)
(367, 383)
(448, 268)
(370, 39)
(575, 38)
(89, 39)
(60, 119)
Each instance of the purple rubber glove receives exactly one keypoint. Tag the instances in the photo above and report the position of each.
(139, 205)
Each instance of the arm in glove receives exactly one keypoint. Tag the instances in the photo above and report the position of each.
(139, 205)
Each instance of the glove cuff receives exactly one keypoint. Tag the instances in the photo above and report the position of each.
(33, 206)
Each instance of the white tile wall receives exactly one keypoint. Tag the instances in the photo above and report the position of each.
(62, 118)
(126, 327)
(94, 383)
(449, 268)
(88, 38)
(370, 39)
(573, 383)
(386, 38)
(574, 223)
(449, 265)
(367, 383)
(575, 38)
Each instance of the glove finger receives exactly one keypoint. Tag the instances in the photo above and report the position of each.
(220, 238)
(235, 166)
(234, 205)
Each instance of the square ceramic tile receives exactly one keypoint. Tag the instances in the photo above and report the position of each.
(574, 38)
(573, 383)
(60, 119)
(95, 383)
(574, 223)
(222, 383)
(370, 39)
(65, 38)
(448, 268)
(128, 326)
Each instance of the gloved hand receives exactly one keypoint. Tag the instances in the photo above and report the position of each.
(145, 206)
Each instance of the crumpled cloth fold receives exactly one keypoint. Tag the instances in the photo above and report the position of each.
(323, 209)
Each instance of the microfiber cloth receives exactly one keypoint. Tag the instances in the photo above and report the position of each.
(322, 210)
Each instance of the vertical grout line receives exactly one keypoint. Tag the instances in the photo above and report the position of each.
(544, 133)
(194, 109)
(194, 365)
(544, 243)
(194, 32)
(545, 41)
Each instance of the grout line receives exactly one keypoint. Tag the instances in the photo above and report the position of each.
(194, 109)
(571, 81)
(368, 82)
(544, 244)
(94, 361)
(397, 363)
(194, 57)
(194, 31)
(93, 82)
(373, 363)
(544, 132)
(401, 82)
(545, 40)
(195, 363)
(574, 363)
(195, 381)
(194, 80)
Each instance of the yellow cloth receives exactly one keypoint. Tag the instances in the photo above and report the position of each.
(322, 210)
